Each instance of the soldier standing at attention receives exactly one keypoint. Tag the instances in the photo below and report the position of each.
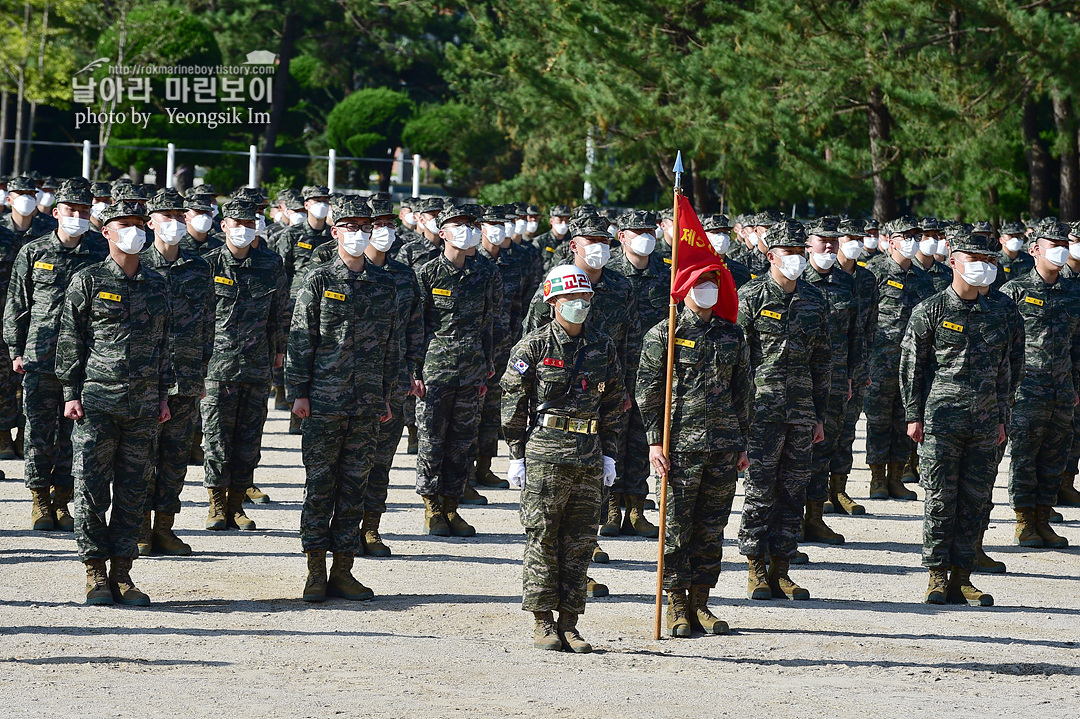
(35, 301)
(553, 243)
(191, 342)
(954, 379)
(562, 412)
(198, 220)
(112, 359)
(343, 363)
(718, 230)
(250, 302)
(784, 319)
(1013, 262)
(711, 400)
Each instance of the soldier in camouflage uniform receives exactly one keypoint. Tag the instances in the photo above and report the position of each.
(552, 243)
(198, 219)
(191, 342)
(718, 230)
(845, 336)
(342, 366)
(1042, 417)
(429, 244)
(872, 243)
(39, 281)
(460, 295)
(954, 379)
(711, 400)
(524, 247)
(900, 287)
(10, 243)
(24, 219)
(786, 326)
(755, 258)
(1013, 261)
(562, 413)
(931, 244)
(112, 359)
(250, 302)
(1068, 495)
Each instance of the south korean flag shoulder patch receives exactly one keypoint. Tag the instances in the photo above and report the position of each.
(521, 366)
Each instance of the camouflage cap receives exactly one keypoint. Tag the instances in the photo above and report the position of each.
(983, 228)
(930, 224)
(122, 208)
(380, 207)
(35, 176)
(583, 209)
(311, 192)
(1051, 230)
(522, 209)
(346, 206)
(451, 212)
(293, 201)
(610, 214)
(1013, 228)
(198, 203)
(101, 189)
(560, 211)
(248, 194)
(282, 194)
(589, 226)
(74, 193)
(716, 223)
(22, 183)
(900, 225)
(768, 218)
(975, 244)
(637, 220)
(827, 226)
(409, 202)
(852, 228)
(871, 224)
(165, 200)
(789, 233)
(743, 220)
(1074, 229)
(380, 195)
(238, 210)
(431, 205)
(49, 182)
(127, 192)
(667, 214)
(204, 189)
(532, 210)
(493, 214)
(509, 212)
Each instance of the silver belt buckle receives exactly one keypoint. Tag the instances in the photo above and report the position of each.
(581, 426)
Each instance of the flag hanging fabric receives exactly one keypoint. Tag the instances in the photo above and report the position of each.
(696, 257)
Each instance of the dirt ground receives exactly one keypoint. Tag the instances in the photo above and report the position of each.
(445, 635)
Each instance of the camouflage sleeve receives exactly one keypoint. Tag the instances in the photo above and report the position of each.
(499, 318)
(166, 378)
(394, 350)
(745, 321)
(652, 382)
(916, 350)
(632, 347)
(276, 330)
(856, 345)
(821, 356)
(428, 323)
(1017, 348)
(611, 406)
(17, 310)
(414, 333)
(71, 346)
(209, 325)
(1005, 399)
(742, 390)
(519, 388)
(870, 328)
(538, 314)
(283, 246)
(303, 339)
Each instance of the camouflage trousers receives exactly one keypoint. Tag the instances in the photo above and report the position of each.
(1041, 436)
(632, 464)
(410, 411)
(775, 488)
(957, 471)
(559, 509)
(172, 448)
(447, 420)
(1072, 466)
(824, 452)
(843, 459)
(9, 387)
(111, 454)
(886, 423)
(701, 487)
(386, 444)
(490, 420)
(338, 455)
(47, 441)
(233, 415)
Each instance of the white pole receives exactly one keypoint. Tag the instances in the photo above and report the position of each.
(86, 159)
(590, 157)
(331, 175)
(416, 176)
(170, 165)
(253, 164)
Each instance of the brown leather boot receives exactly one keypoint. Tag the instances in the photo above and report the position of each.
(341, 583)
(678, 613)
(61, 497)
(165, 540)
(985, 564)
(458, 526)
(757, 584)
(960, 590)
(41, 516)
(413, 445)
(569, 634)
(235, 512)
(937, 587)
(216, 512)
(878, 484)
(315, 584)
(895, 483)
(485, 477)
(256, 496)
(781, 584)
(196, 456)
(1026, 535)
(839, 498)
(613, 518)
(1051, 539)
(635, 524)
(434, 518)
(97, 583)
(815, 529)
(545, 632)
(594, 589)
(1067, 494)
(145, 543)
(370, 537)
(123, 589)
(701, 618)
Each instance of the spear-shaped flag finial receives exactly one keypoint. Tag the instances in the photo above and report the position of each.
(678, 170)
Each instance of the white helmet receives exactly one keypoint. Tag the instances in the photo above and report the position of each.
(565, 280)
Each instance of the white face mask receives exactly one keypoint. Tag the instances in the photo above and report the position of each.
(705, 294)
(130, 240)
(38, 194)
(596, 255)
(494, 233)
(201, 223)
(976, 273)
(927, 247)
(643, 244)
(720, 241)
(48, 199)
(870, 243)
(24, 204)
(97, 207)
(74, 226)
(319, 210)
(1014, 244)
(382, 238)
(907, 247)
(824, 260)
(753, 238)
(241, 236)
(408, 219)
(613, 230)
(431, 226)
(169, 231)
(792, 266)
(275, 214)
(297, 218)
(941, 248)
(559, 228)
(355, 242)
(851, 249)
(531, 227)
(3, 198)
(508, 228)
(519, 226)
(260, 223)
(474, 237)
(1057, 256)
(1074, 250)
(459, 237)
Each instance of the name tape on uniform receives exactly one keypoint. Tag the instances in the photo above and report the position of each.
(440, 292)
(334, 296)
(1033, 301)
(894, 283)
(667, 261)
(952, 326)
(770, 313)
(861, 264)
(305, 245)
(1007, 269)
(42, 266)
(685, 343)
(224, 281)
(109, 296)
(552, 362)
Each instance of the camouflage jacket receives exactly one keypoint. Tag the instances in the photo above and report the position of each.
(551, 248)
(250, 303)
(10, 244)
(511, 278)
(344, 354)
(954, 364)
(845, 325)
(296, 246)
(418, 253)
(939, 273)
(652, 287)
(711, 390)
(866, 300)
(1010, 269)
(191, 245)
(403, 236)
(1051, 315)
(757, 263)
(1016, 339)
(459, 322)
(113, 348)
(551, 372)
(789, 350)
(899, 290)
(39, 225)
(410, 324)
(191, 304)
(532, 267)
(35, 299)
(613, 312)
(739, 272)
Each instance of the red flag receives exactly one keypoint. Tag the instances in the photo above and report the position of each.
(696, 257)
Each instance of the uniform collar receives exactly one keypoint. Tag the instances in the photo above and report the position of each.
(114, 269)
(953, 299)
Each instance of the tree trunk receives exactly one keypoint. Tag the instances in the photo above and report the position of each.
(880, 123)
(1069, 198)
(702, 201)
(16, 167)
(289, 32)
(1038, 162)
(30, 135)
(3, 130)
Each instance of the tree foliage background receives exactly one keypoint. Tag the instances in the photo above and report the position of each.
(959, 108)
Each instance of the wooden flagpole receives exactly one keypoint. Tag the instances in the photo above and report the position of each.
(676, 230)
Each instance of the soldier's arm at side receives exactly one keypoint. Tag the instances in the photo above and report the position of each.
(611, 405)
(414, 332)
(276, 331)
(652, 381)
(538, 314)
(166, 376)
(71, 344)
(17, 309)
(916, 350)
(632, 347)
(209, 324)
(303, 340)
(821, 356)
(392, 356)
(518, 384)
(428, 321)
(742, 390)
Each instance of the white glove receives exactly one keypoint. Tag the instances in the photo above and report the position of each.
(515, 475)
(609, 471)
